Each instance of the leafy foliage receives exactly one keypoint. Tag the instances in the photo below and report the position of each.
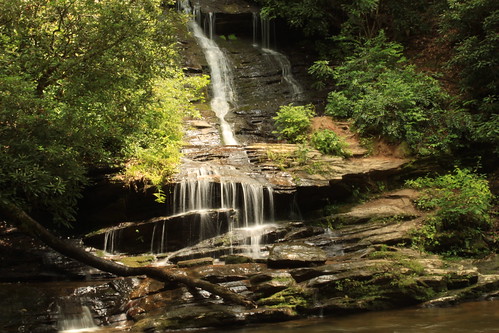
(355, 19)
(322, 71)
(386, 96)
(461, 202)
(78, 84)
(293, 122)
(155, 150)
(472, 26)
(308, 15)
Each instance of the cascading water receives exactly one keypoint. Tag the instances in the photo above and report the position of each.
(110, 241)
(256, 20)
(282, 61)
(74, 317)
(287, 75)
(220, 70)
(265, 29)
(206, 187)
(216, 187)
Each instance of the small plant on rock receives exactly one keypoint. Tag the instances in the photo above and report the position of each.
(293, 122)
(328, 142)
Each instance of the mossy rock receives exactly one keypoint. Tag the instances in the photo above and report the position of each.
(137, 261)
(237, 259)
(293, 297)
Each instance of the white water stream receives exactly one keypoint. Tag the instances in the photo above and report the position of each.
(263, 25)
(207, 187)
(79, 319)
(220, 70)
(287, 75)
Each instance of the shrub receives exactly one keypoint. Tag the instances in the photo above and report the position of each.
(293, 122)
(460, 202)
(385, 96)
(327, 142)
(471, 26)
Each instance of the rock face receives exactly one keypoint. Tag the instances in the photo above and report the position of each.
(397, 205)
(361, 273)
(309, 270)
(49, 307)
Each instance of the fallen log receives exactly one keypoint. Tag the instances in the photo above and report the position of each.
(18, 217)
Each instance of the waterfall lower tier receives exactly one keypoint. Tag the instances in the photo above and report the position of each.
(74, 317)
(206, 187)
(226, 188)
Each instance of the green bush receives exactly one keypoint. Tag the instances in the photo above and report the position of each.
(293, 122)
(386, 96)
(460, 204)
(472, 28)
(327, 142)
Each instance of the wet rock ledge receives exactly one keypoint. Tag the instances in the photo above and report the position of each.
(362, 262)
(358, 260)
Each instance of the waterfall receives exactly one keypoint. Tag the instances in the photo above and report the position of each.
(204, 188)
(281, 60)
(256, 21)
(111, 238)
(220, 70)
(287, 75)
(226, 188)
(211, 25)
(159, 238)
(74, 317)
(265, 28)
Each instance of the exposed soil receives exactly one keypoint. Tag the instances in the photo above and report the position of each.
(374, 147)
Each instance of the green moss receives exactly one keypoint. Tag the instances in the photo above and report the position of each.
(136, 261)
(391, 283)
(399, 260)
(292, 297)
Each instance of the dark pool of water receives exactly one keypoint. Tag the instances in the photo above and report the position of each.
(23, 305)
(473, 317)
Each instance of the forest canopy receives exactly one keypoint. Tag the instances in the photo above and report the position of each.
(85, 85)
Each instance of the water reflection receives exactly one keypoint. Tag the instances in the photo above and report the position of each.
(473, 317)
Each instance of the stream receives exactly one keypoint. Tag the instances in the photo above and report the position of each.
(472, 317)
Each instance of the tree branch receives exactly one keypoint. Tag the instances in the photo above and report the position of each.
(15, 215)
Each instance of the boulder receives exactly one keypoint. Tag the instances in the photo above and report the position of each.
(226, 273)
(196, 262)
(294, 254)
(269, 283)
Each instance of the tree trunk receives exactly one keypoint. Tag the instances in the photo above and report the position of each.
(14, 215)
